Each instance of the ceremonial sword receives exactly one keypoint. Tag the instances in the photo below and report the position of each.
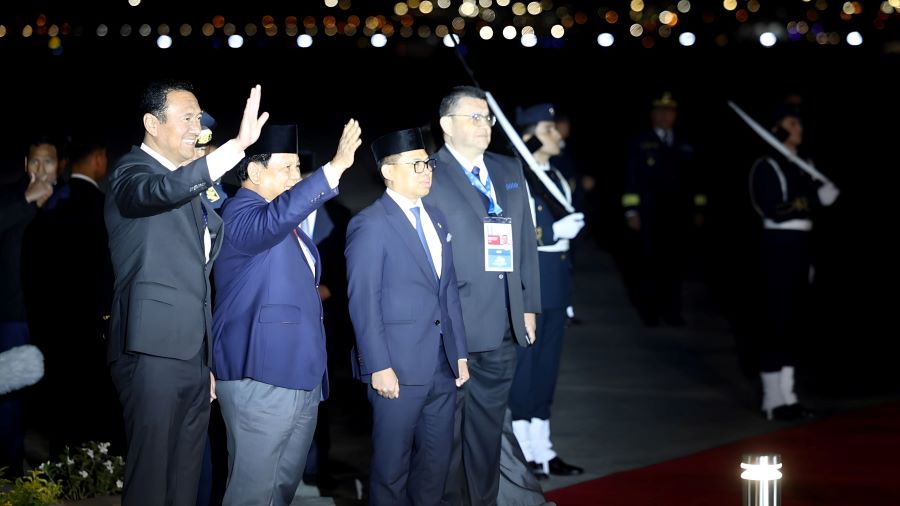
(769, 138)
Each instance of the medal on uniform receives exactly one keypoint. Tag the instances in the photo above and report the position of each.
(211, 194)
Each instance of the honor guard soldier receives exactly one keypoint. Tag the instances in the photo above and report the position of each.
(659, 201)
(785, 196)
(538, 366)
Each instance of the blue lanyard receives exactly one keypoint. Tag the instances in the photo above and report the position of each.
(485, 189)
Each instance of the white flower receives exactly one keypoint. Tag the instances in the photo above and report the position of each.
(119, 483)
(109, 465)
(69, 461)
(59, 464)
(104, 448)
(83, 473)
(42, 466)
(90, 453)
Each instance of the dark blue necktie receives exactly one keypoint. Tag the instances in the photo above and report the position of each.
(476, 171)
(421, 232)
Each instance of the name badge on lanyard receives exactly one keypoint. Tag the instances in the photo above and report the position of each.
(498, 244)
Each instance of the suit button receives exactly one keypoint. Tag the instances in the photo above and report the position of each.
(562, 257)
(500, 276)
(437, 322)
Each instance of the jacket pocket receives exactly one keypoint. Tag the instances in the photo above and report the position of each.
(279, 313)
(394, 313)
(152, 320)
(158, 292)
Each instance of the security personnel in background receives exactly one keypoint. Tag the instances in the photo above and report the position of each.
(215, 195)
(785, 197)
(538, 366)
(659, 201)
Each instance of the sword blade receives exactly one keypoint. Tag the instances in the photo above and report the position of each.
(526, 155)
(775, 143)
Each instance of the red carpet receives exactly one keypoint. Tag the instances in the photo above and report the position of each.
(847, 460)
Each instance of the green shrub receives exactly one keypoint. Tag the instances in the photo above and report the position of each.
(32, 490)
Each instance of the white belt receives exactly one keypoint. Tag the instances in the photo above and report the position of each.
(801, 225)
(559, 246)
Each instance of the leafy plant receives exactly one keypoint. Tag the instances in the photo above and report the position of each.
(32, 490)
(86, 472)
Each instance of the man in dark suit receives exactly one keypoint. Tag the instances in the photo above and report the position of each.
(163, 239)
(269, 351)
(478, 190)
(76, 357)
(410, 335)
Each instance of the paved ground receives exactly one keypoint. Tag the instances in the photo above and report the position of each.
(628, 396)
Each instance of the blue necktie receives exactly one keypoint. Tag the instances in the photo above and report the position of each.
(421, 232)
(476, 171)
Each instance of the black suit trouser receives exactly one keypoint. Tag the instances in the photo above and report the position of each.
(474, 476)
(165, 405)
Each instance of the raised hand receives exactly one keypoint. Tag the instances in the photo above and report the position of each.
(252, 122)
(38, 191)
(347, 146)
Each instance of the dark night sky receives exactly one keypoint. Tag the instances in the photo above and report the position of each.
(850, 104)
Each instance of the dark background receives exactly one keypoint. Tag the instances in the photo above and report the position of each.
(850, 106)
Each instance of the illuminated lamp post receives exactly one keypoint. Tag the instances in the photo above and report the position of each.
(762, 480)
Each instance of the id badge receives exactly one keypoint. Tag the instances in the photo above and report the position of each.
(498, 244)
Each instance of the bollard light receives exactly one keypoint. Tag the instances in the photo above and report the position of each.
(761, 480)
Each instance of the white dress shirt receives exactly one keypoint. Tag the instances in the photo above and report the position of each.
(468, 166)
(431, 236)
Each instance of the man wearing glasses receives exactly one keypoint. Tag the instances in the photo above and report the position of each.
(483, 196)
(410, 337)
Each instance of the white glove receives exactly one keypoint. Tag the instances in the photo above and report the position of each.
(568, 226)
(828, 193)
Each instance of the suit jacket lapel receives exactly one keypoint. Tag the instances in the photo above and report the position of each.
(197, 209)
(442, 236)
(312, 250)
(498, 180)
(397, 218)
(456, 173)
(215, 225)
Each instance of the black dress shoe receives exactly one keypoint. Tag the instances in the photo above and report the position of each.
(537, 470)
(560, 468)
(787, 412)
